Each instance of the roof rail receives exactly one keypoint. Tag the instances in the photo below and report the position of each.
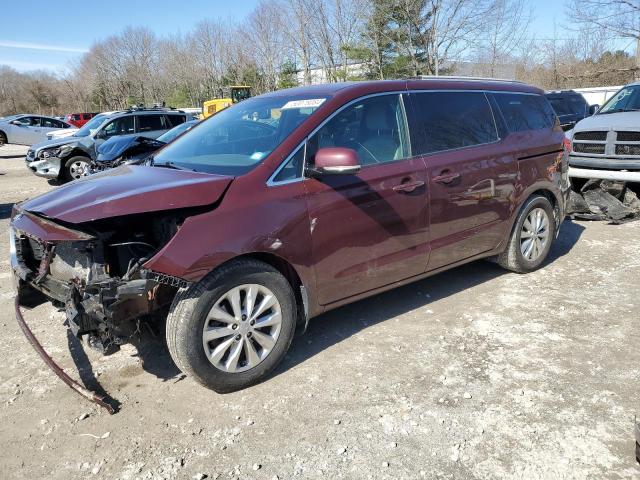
(157, 106)
(464, 79)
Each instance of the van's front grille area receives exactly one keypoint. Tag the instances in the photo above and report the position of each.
(628, 136)
(593, 136)
(596, 148)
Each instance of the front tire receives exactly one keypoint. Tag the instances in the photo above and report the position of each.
(232, 328)
(531, 237)
(3, 139)
(76, 167)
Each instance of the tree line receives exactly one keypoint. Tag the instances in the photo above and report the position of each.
(284, 43)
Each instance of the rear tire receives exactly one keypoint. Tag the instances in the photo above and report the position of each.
(76, 167)
(531, 237)
(237, 332)
(3, 139)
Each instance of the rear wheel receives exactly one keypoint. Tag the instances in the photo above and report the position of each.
(531, 237)
(233, 327)
(76, 167)
(3, 138)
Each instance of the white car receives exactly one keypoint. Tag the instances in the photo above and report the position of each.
(64, 132)
(26, 129)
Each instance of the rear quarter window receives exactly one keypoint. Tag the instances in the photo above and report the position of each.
(522, 112)
(450, 120)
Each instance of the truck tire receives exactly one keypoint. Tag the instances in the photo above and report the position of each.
(233, 327)
(531, 237)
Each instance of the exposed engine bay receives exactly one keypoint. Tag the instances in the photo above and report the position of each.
(96, 275)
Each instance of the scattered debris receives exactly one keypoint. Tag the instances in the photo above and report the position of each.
(616, 202)
(466, 395)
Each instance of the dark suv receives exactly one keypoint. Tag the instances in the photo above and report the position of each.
(570, 106)
(291, 204)
(70, 158)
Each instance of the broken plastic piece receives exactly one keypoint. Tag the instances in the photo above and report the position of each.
(89, 395)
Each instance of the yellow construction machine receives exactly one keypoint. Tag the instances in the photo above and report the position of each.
(230, 95)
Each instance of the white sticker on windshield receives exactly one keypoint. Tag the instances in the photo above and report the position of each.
(310, 103)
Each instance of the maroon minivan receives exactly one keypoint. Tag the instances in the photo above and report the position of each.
(290, 204)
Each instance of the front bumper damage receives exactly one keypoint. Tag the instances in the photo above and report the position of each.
(69, 267)
(620, 169)
(45, 167)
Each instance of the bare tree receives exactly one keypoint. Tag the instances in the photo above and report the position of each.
(620, 17)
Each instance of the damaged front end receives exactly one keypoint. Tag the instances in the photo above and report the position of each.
(94, 272)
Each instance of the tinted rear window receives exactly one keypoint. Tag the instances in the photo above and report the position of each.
(523, 112)
(150, 123)
(450, 120)
(175, 120)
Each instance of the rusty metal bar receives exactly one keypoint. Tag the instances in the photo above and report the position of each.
(89, 395)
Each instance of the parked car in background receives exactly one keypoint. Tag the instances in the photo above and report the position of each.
(70, 158)
(79, 119)
(28, 129)
(290, 204)
(133, 149)
(63, 132)
(570, 106)
(607, 144)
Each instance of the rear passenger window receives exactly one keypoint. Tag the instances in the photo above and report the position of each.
(523, 112)
(449, 120)
(375, 128)
(175, 120)
(150, 123)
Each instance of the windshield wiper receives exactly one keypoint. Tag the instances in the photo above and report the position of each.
(171, 165)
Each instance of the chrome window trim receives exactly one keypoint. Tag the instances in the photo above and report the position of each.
(272, 183)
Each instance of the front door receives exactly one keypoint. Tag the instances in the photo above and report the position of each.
(370, 229)
(467, 170)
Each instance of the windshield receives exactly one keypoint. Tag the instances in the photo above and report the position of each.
(9, 118)
(626, 100)
(175, 131)
(91, 126)
(568, 105)
(238, 138)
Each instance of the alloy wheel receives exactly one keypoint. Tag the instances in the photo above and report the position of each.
(242, 328)
(534, 235)
(79, 169)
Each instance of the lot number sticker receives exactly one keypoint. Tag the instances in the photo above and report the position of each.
(311, 103)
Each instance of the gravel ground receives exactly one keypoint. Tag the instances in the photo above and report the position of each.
(474, 373)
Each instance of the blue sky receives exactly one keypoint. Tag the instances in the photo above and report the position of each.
(44, 34)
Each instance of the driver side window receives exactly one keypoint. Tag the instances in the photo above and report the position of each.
(375, 128)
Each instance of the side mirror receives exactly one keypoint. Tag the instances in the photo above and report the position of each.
(593, 109)
(336, 161)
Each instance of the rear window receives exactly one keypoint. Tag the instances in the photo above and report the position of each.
(150, 123)
(524, 112)
(450, 120)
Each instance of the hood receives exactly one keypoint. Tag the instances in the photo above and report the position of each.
(56, 142)
(128, 190)
(610, 121)
(117, 147)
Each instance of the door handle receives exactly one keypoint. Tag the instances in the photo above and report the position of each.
(446, 177)
(408, 187)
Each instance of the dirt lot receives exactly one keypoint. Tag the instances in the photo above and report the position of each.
(474, 373)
